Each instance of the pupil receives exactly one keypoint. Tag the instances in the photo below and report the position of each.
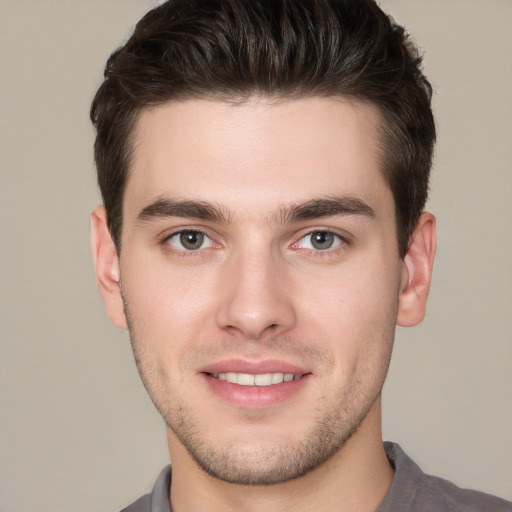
(322, 240)
(191, 239)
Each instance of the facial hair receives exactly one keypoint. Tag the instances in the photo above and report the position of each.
(335, 419)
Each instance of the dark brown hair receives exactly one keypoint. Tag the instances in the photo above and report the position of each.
(233, 49)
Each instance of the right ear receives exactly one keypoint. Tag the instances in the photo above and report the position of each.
(106, 262)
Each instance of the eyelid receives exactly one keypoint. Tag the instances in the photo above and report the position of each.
(174, 233)
(343, 240)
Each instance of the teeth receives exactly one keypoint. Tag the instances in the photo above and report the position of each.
(244, 379)
(231, 377)
(264, 379)
(276, 378)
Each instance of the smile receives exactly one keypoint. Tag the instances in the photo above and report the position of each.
(263, 379)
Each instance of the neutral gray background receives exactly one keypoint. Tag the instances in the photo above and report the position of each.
(77, 430)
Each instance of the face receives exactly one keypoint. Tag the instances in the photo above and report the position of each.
(261, 280)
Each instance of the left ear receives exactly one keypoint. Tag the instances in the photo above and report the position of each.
(417, 272)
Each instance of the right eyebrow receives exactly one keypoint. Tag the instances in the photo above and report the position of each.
(162, 208)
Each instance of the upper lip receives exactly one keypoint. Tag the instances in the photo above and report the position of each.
(253, 367)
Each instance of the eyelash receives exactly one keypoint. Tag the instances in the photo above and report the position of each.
(341, 243)
(183, 252)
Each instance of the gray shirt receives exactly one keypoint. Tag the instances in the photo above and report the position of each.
(412, 491)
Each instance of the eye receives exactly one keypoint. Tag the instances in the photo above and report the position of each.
(320, 240)
(189, 240)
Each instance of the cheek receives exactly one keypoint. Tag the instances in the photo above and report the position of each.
(168, 308)
(166, 315)
(163, 291)
(352, 294)
(355, 307)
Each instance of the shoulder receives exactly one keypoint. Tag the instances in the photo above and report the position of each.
(413, 490)
(158, 500)
(143, 504)
(445, 494)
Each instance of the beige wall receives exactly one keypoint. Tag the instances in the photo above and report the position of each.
(77, 431)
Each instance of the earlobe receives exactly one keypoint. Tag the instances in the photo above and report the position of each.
(417, 272)
(106, 263)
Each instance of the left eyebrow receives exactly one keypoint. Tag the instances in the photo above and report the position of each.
(325, 207)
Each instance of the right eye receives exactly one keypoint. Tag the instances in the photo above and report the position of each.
(189, 240)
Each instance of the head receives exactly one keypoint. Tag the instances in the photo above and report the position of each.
(264, 165)
(232, 50)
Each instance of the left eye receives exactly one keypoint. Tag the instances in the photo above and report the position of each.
(319, 241)
(190, 240)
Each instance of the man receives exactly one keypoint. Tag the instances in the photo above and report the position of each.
(264, 168)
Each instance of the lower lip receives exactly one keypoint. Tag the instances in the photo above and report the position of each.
(254, 397)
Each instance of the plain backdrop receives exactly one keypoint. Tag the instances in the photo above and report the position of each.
(77, 430)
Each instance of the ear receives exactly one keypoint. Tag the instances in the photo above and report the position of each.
(106, 263)
(417, 272)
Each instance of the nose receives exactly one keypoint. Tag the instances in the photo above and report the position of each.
(255, 297)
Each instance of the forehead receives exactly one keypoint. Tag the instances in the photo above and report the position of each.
(259, 153)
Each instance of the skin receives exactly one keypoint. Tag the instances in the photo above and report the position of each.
(258, 289)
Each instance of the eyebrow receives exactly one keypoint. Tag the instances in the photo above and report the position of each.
(324, 207)
(312, 209)
(163, 208)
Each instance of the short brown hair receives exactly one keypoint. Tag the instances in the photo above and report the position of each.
(233, 49)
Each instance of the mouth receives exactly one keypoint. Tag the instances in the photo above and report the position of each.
(256, 386)
(259, 379)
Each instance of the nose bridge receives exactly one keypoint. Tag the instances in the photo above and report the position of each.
(254, 301)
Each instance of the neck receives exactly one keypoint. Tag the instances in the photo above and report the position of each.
(355, 479)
